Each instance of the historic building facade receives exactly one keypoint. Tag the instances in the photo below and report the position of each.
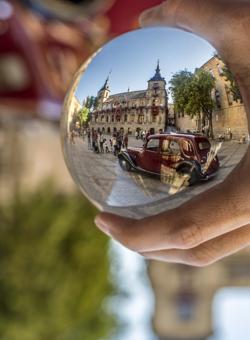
(228, 113)
(133, 110)
(149, 109)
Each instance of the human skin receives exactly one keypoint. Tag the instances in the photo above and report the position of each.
(216, 223)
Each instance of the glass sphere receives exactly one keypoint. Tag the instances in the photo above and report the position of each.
(150, 121)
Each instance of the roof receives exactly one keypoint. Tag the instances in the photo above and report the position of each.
(157, 76)
(209, 61)
(180, 135)
(127, 96)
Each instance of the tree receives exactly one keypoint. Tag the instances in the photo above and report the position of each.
(54, 275)
(83, 115)
(192, 94)
(180, 89)
(90, 102)
(234, 87)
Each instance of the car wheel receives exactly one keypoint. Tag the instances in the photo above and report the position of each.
(190, 171)
(124, 164)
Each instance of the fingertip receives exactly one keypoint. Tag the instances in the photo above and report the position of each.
(110, 223)
(152, 17)
(102, 222)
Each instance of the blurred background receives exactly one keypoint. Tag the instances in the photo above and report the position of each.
(60, 277)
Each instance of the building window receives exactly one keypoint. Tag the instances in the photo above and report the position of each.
(186, 306)
(217, 99)
(125, 118)
(107, 119)
(140, 119)
(229, 95)
(220, 69)
(211, 72)
(112, 119)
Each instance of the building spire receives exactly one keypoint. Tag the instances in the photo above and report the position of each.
(157, 76)
(158, 70)
(106, 84)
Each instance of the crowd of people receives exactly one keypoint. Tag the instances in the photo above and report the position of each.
(100, 143)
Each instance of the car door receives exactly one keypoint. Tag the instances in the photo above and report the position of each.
(151, 157)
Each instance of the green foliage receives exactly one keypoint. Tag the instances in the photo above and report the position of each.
(54, 270)
(191, 93)
(234, 88)
(180, 89)
(83, 115)
(90, 102)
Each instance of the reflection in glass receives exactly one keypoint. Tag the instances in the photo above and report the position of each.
(142, 134)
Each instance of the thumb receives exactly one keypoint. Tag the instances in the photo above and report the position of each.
(161, 15)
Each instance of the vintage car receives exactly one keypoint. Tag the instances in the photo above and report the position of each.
(186, 153)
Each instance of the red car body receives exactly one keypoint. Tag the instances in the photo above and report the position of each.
(186, 153)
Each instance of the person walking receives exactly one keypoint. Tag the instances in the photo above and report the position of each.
(125, 141)
(89, 139)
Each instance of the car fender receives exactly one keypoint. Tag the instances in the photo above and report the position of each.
(189, 163)
(126, 156)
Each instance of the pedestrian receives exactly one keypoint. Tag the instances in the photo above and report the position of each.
(89, 139)
(99, 138)
(105, 146)
(114, 145)
(143, 135)
(119, 140)
(125, 141)
(102, 140)
(147, 134)
(111, 144)
(72, 137)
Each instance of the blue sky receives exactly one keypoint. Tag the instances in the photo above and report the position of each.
(133, 56)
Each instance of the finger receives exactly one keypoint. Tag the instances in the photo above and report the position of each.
(206, 253)
(224, 23)
(176, 13)
(158, 16)
(221, 209)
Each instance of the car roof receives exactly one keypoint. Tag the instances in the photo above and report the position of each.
(178, 135)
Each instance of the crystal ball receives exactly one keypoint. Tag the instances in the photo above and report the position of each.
(151, 120)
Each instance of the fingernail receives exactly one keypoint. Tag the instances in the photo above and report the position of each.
(102, 225)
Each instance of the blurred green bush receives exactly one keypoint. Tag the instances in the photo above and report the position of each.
(54, 269)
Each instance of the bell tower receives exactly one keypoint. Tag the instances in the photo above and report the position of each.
(157, 98)
(157, 84)
(104, 92)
